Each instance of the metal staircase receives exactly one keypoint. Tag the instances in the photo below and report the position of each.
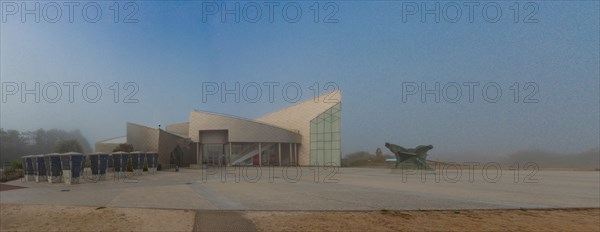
(251, 154)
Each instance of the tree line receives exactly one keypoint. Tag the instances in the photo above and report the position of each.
(14, 144)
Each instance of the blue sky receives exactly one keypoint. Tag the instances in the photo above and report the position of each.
(369, 53)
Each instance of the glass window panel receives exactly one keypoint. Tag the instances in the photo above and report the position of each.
(335, 119)
(320, 157)
(335, 136)
(335, 126)
(327, 126)
(335, 156)
(321, 126)
(326, 137)
(335, 145)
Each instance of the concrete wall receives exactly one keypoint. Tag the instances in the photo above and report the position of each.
(239, 130)
(146, 139)
(142, 138)
(105, 147)
(179, 128)
(168, 142)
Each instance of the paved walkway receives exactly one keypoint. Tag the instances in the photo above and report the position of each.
(222, 221)
(323, 189)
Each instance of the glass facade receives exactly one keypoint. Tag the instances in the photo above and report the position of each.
(325, 138)
(238, 150)
(244, 154)
(213, 154)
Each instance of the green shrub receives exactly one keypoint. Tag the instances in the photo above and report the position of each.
(8, 175)
(87, 163)
(16, 164)
(129, 167)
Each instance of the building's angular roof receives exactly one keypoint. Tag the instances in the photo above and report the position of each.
(239, 129)
(117, 140)
(296, 116)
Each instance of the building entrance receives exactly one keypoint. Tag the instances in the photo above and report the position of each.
(213, 154)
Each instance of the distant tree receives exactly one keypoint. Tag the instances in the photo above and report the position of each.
(125, 147)
(70, 145)
(379, 155)
(587, 159)
(13, 145)
(41, 143)
(76, 134)
(44, 141)
(357, 159)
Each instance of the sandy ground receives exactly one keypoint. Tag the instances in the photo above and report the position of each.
(79, 218)
(475, 220)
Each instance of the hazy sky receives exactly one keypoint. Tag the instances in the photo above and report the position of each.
(376, 53)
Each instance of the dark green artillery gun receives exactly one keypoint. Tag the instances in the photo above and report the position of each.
(417, 155)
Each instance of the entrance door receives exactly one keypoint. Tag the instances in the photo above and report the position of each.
(176, 157)
(213, 154)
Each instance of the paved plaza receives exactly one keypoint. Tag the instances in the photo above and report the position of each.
(268, 188)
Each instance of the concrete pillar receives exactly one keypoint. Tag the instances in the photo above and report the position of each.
(67, 176)
(198, 160)
(296, 154)
(259, 154)
(66, 173)
(201, 154)
(279, 152)
(291, 158)
(37, 168)
(229, 154)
